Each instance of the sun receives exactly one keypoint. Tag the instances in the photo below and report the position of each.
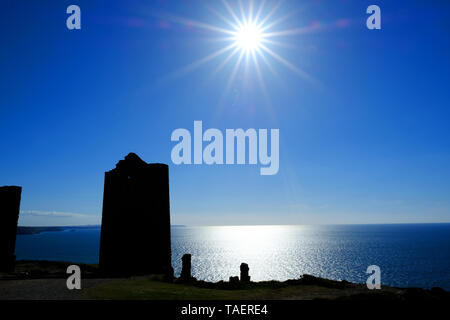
(249, 37)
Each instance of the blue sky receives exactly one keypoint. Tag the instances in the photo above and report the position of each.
(366, 141)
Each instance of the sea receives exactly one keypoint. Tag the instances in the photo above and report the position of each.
(409, 255)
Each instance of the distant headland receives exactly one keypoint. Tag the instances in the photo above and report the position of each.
(27, 230)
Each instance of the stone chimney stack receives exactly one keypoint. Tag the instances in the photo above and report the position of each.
(135, 236)
(9, 215)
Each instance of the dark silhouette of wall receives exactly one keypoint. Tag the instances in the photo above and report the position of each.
(135, 235)
(9, 215)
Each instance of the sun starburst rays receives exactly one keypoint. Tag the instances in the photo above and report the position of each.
(249, 36)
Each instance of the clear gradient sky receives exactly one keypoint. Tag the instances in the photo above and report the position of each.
(366, 141)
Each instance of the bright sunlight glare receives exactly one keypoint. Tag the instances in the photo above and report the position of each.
(249, 37)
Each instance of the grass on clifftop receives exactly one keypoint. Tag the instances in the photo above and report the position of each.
(144, 288)
(150, 287)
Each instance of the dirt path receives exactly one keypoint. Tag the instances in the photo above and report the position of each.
(44, 289)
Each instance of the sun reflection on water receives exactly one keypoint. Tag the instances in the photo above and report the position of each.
(267, 249)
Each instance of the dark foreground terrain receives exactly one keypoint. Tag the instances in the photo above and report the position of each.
(45, 280)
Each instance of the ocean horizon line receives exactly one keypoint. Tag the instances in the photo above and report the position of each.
(247, 225)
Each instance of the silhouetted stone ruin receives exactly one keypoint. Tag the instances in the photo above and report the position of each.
(135, 235)
(244, 273)
(234, 279)
(186, 267)
(9, 215)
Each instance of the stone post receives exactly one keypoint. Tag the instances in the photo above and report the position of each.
(186, 267)
(244, 273)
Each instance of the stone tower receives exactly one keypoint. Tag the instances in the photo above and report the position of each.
(135, 236)
(9, 215)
